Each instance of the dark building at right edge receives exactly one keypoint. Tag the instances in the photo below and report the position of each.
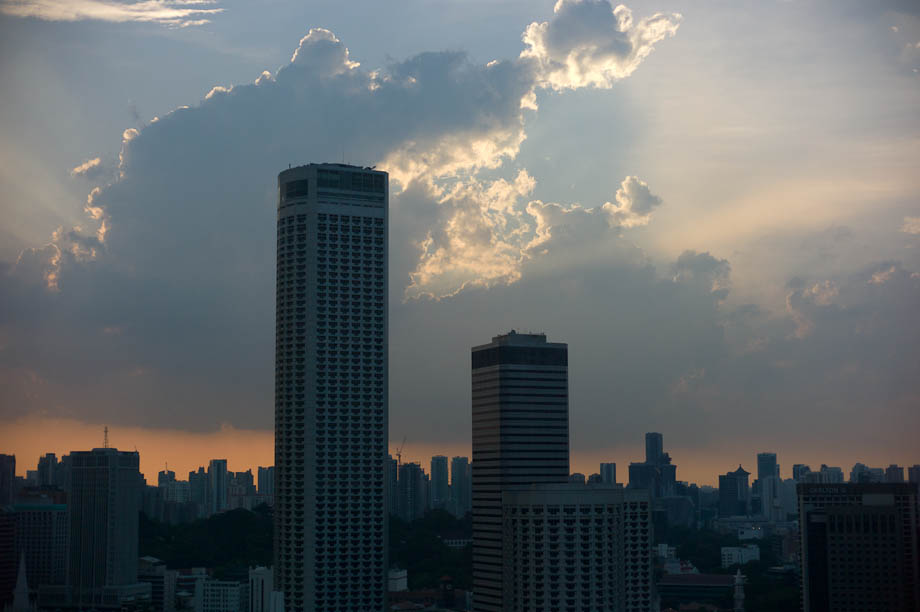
(859, 547)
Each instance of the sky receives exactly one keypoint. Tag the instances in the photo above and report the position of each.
(716, 204)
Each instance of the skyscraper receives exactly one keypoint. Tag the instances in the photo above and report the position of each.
(104, 497)
(439, 482)
(218, 481)
(520, 437)
(654, 447)
(331, 388)
(734, 493)
(859, 547)
(7, 478)
(767, 466)
(460, 485)
(412, 492)
(609, 473)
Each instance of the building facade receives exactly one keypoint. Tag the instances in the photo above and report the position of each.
(608, 473)
(859, 547)
(104, 505)
(460, 489)
(43, 536)
(734, 493)
(440, 487)
(331, 388)
(572, 547)
(520, 437)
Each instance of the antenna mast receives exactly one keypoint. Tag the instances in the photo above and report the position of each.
(105, 437)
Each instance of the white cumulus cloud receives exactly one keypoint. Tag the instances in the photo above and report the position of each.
(592, 43)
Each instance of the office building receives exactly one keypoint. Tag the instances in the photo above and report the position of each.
(198, 491)
(43, 535)
(221, 596)
(739, 555)
(7, 479)
(767, 467)
(260, 590)
(218, 483)
(608, 473)
(438, 497)
(656, 474)
(859, 547)
(392, 478)
(576, 547)
(162, 583)
(331, 388)
(913, 473)
(520, 437)
(412, 492)
(266, 486)
(894, 473)
(799, 470)
(734, 493)
(460, 487)
(104, 498)
(654, 447)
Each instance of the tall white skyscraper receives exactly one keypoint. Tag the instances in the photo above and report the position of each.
(331, 388)
(520, 437)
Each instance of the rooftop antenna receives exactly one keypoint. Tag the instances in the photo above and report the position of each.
(105, 437)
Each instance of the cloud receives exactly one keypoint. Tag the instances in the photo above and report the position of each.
(911, 225)
(90, 169)
(591, 43)
(174, 250)
(177, 13)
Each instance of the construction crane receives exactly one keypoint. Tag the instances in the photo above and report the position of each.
(399, 450)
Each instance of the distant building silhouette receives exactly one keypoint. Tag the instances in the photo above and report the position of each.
(656, 474)
(859, 547)
(440, 483)
(608, 473)
(7, 479)
(520, 437)
(734, 493)
(412, 492)
(330, 510)
(460, 487)
(218, 483)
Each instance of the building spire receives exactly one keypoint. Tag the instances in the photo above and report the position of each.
(739, 592)
(21, 593)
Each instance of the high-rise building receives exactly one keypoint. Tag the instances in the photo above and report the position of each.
(218, 483)
(43, 535)
(198, 491)
(894, 473)
(460, 485)
(913, 473)
(104, 505)
(577, 547)
(608, 473)
(267, 482)
(331, 388)
(412, 492)
(859, 547)
(520, 437)
(439, 482)
(7, 478)
(392, 478)
(767, 466)
(654, 447)
(260, 590)
(656, 474)
(799, 470)
(734, 493)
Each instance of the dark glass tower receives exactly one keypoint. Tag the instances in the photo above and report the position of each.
(520, 437)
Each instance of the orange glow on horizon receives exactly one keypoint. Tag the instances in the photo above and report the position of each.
(245, 449)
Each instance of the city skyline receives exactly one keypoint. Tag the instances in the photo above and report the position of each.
(741, 265)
